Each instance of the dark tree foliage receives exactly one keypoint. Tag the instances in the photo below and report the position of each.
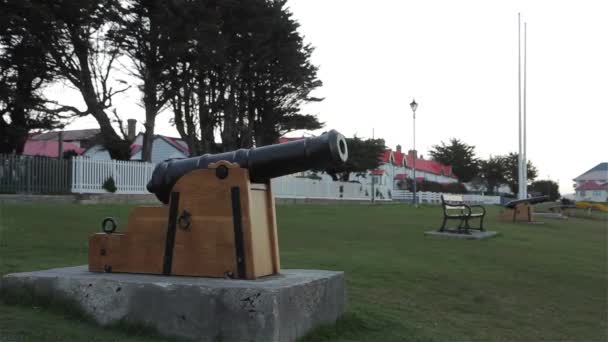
(460, 156)
(72, 34)
(363, 155)
(146, 33)
(244, 76)
(493, 172)
(511, 166)
(24, 72)
(545, 188)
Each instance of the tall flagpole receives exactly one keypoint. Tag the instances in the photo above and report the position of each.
(519, 140)
(524, 168)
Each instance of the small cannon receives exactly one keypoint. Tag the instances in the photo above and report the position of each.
(521, 210)
(220, 218)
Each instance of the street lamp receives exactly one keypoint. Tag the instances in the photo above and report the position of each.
(414, 106)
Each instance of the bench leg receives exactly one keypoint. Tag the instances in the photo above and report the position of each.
(467, 226)
(445, 220)
(481, 223)
(461, 224)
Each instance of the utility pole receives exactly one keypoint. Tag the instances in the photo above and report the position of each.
(522, 159)
(525, 157)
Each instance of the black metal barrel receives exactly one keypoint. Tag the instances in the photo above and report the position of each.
(263, 163)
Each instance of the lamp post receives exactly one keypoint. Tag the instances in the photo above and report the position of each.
(414, 106)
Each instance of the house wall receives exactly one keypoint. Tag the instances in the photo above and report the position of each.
(139, 139)
(161, 151)
(97, 153)
(591, 195)
(390, 171)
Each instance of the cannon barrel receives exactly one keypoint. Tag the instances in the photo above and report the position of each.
(263, 163)
(531, 200)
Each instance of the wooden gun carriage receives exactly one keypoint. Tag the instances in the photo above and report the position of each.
(219, 220)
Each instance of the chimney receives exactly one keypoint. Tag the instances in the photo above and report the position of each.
(399, 148)
(131, 123)
(412, 153)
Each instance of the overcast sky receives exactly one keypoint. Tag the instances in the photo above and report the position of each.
(459, 60)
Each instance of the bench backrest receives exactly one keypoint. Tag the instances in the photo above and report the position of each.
(451, 201)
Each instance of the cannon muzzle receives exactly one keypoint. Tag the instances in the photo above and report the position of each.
(263, 163)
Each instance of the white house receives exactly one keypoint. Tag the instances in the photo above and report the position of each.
(397, 166)
(163, 148)
(593, 184)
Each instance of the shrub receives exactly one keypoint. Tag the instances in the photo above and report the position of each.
(69, 154)
(566, 201)
(454, 188)
(109, 185)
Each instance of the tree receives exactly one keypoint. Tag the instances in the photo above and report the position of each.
(24, 72)
(493, 172)
(545, 188)
(146, 35)
(363, 155)
(73, 35)
(460, 156)
(244, 76)
(511, 171)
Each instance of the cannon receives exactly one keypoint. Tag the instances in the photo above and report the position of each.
(218, 217)
(263, 163)
(521, 210)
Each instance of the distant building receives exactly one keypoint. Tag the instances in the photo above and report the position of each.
(163, 148)
(47, 144)
(398, 167)
(88, 143)
(48, 148)
(83, 138)
(593, 184)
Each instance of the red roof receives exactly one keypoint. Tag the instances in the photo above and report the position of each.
(430, 166)
(398, 156)
(48, 148)
(385, 156)
(592, 185)
(176, 144)
(401, 176)
(135, 148)
(377, 172)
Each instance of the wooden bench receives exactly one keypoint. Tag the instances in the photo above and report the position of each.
(454, 208)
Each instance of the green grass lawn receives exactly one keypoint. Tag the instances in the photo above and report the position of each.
(532, 283)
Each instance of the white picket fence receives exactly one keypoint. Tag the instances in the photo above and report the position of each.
(435, 197)
(130, 177)
(296, 187)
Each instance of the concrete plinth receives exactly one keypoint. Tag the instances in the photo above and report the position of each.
(276, 308)
(474, 234)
